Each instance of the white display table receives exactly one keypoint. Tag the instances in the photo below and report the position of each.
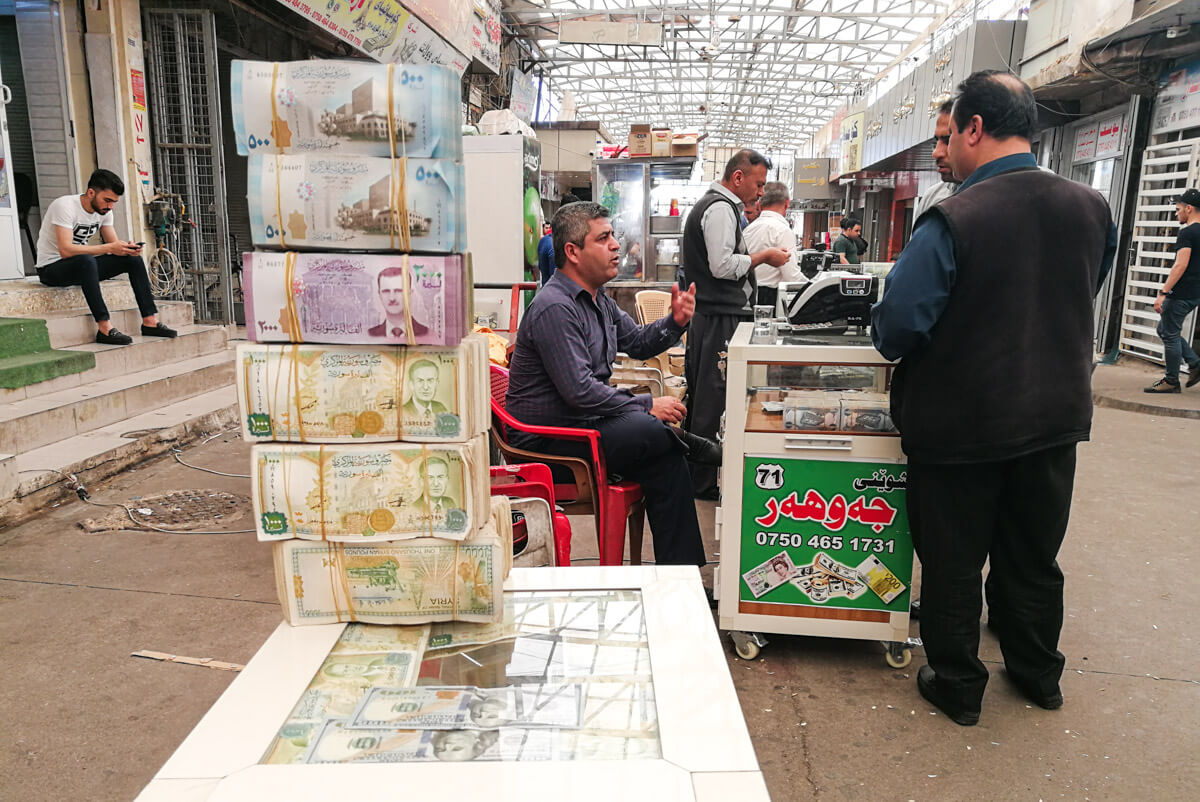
(643, 633)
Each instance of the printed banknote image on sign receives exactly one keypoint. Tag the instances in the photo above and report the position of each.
(825, 533)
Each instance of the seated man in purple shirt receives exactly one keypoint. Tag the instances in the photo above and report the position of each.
(563, 360)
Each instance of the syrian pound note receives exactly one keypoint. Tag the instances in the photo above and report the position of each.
(374, 639)
(770, 574)
(366, 299)
(370, 492)
(404, 582)
(362, 394)
(292, 742)
(880, 579)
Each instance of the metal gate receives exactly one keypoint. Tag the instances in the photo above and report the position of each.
(1170, 165)
(181, 64)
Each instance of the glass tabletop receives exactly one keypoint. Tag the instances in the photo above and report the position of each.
(565, 676)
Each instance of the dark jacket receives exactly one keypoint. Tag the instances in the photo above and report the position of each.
(1007, 369)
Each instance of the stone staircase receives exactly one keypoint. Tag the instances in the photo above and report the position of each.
(137, 402)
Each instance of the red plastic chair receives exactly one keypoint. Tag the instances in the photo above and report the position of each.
(611, 504)
(533, 480)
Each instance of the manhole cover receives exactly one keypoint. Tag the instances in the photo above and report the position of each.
(212, 510)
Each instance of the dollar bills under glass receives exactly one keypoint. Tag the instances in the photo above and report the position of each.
(392, 299)
(370, 492)
(364, 394)
(342, 108)
(356, 203)
(457, 708)
(405, 582)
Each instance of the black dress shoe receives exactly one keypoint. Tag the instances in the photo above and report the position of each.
(927, 685)
(158, 330)
(1046, 701)
(700, 450)
(113, 337)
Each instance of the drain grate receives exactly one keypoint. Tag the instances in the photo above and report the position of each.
(178, 509)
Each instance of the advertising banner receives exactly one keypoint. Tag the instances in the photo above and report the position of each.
(823, 533)
(384, 30)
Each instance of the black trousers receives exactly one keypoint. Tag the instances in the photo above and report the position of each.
(767, 296)
(88, 271)
(708, 335)
(643, 449)
(1013, 513)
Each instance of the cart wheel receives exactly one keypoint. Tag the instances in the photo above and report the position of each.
(898, 655)
(747, 649)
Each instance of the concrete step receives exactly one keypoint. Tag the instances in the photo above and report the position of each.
(34, 480)
(35, 422)
(76, 327)
(119, 360)
(29, 297)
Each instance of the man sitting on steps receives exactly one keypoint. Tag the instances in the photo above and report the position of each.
(64, 259)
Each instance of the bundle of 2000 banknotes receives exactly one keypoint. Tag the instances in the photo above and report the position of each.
(365, 394)
(388, 299)
(342, 108)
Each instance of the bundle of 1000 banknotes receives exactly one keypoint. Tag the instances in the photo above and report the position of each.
(370, 492)
(405, 582)
(352, 393)
(356, 203)
(342, 108)
(357, 298)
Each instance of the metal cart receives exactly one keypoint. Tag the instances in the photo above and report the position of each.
(813, 530)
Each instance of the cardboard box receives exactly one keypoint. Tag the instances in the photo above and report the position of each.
(639, 140)
(660, 142)
(685, 145)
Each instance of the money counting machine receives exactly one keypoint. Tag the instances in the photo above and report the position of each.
(828, 296)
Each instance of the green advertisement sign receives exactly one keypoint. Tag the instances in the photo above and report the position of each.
(825, 534)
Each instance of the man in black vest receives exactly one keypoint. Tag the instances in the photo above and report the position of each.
(989, 309)
(716, 260)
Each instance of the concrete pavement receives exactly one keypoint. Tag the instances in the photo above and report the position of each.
(84, 720)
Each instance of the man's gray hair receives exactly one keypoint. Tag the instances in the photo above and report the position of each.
(775, 193)
(571, 224)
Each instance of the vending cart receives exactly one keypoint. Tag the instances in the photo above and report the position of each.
(814, 534)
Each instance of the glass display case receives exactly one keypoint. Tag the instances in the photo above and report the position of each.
(649, 234)
(598, 684)
(814, 529)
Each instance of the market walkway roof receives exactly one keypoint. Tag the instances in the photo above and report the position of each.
(762, 72)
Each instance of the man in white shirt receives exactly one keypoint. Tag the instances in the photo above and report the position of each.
(771, 230)
(65, 259)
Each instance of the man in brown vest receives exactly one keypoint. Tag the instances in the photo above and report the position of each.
(989, 310)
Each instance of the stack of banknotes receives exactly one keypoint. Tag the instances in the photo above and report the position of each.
(366, 398)
(398, 582)
(359, 203)
(389, 299)
(342, 108)
(370, 492)
(363, 393)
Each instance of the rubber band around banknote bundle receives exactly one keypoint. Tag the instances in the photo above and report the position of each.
(275, 127)
(289, 293)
